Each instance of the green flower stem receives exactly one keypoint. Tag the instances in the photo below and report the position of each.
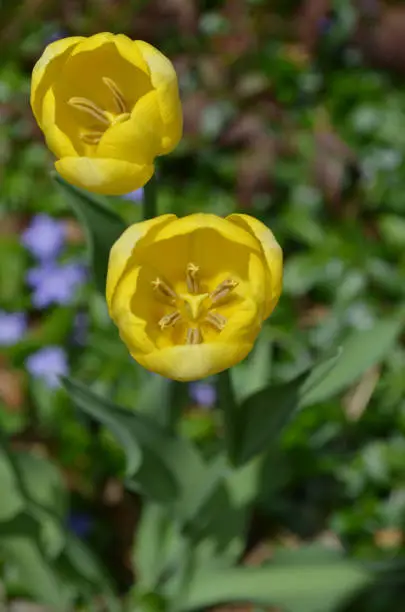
(230, 410)
(150, 199)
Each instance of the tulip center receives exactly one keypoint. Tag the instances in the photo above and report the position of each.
(194, 308)
(104, 118)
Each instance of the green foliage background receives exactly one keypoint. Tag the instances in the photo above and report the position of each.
(295, 113)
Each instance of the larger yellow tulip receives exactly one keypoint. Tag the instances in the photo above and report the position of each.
(189, 295)
(107, 106)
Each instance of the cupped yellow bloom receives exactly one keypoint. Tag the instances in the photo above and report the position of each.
(107, 105)
(189, 295)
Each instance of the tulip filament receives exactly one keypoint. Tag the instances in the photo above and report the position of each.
(108, 119)
(195, 307)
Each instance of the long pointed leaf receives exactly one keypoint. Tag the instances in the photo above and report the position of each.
(103, 227)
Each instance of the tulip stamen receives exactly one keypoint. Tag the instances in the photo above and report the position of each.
(193, 335)
(192, 278)
(223, 290)
(92, 138)
(169, 320)
(216, 320)
(117, 95)
(164, 290)
(87, 106)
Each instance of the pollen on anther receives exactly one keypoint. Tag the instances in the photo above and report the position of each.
(169, 320)
(216, 320)
(193, 335)
(164, 289)
(192, 278)
(223, 290)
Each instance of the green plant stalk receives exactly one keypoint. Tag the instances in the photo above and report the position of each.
(150, 199)
(230, 411)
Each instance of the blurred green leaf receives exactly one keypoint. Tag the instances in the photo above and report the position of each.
(102, 225)
(12, 501)
(263, 416)
(359, 352)
(36, 574)
(254, 372)
(161, 465)
(12, 272)
(314, 586)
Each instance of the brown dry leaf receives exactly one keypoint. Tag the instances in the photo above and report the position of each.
(313, 315)
(12, 389)
(240, 37)
(258, 555)
(381, 37)
(389, 538)
(74, 232)
(309, 16)
(113, 492)
(356, 401)
(193, 109)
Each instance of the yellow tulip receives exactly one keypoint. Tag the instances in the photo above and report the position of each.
(189, 295)
(107, 106)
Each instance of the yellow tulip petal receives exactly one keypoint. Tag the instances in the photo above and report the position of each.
(104, 176)
(47, 69)
(126, 47)
(84, 75)
(164, 79)
(271, 251)
(123, 248)
(193, 362)
(138, 139)
(206, 221)
(56, 139)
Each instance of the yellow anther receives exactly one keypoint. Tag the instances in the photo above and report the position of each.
(169, 320)
(164, 290)
(216, 320)
(193, 335)
(223, 290)
(192, 278)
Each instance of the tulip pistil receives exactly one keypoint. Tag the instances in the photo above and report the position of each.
(194, 308)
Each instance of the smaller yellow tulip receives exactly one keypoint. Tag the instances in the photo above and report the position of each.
(189, 295)
(107, 106)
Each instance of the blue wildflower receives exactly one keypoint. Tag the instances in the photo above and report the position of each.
(134, 196)
(13, 326)
(44, 238)
(54, 283)
(48, 364)
(80, 523)
(203, 394)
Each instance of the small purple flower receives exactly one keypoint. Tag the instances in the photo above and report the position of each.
(54, 283)
(48, 364)
(134, 196)
(80, 523)
(13, 326)
(203, 394)
(44, 238)
(57, 35)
